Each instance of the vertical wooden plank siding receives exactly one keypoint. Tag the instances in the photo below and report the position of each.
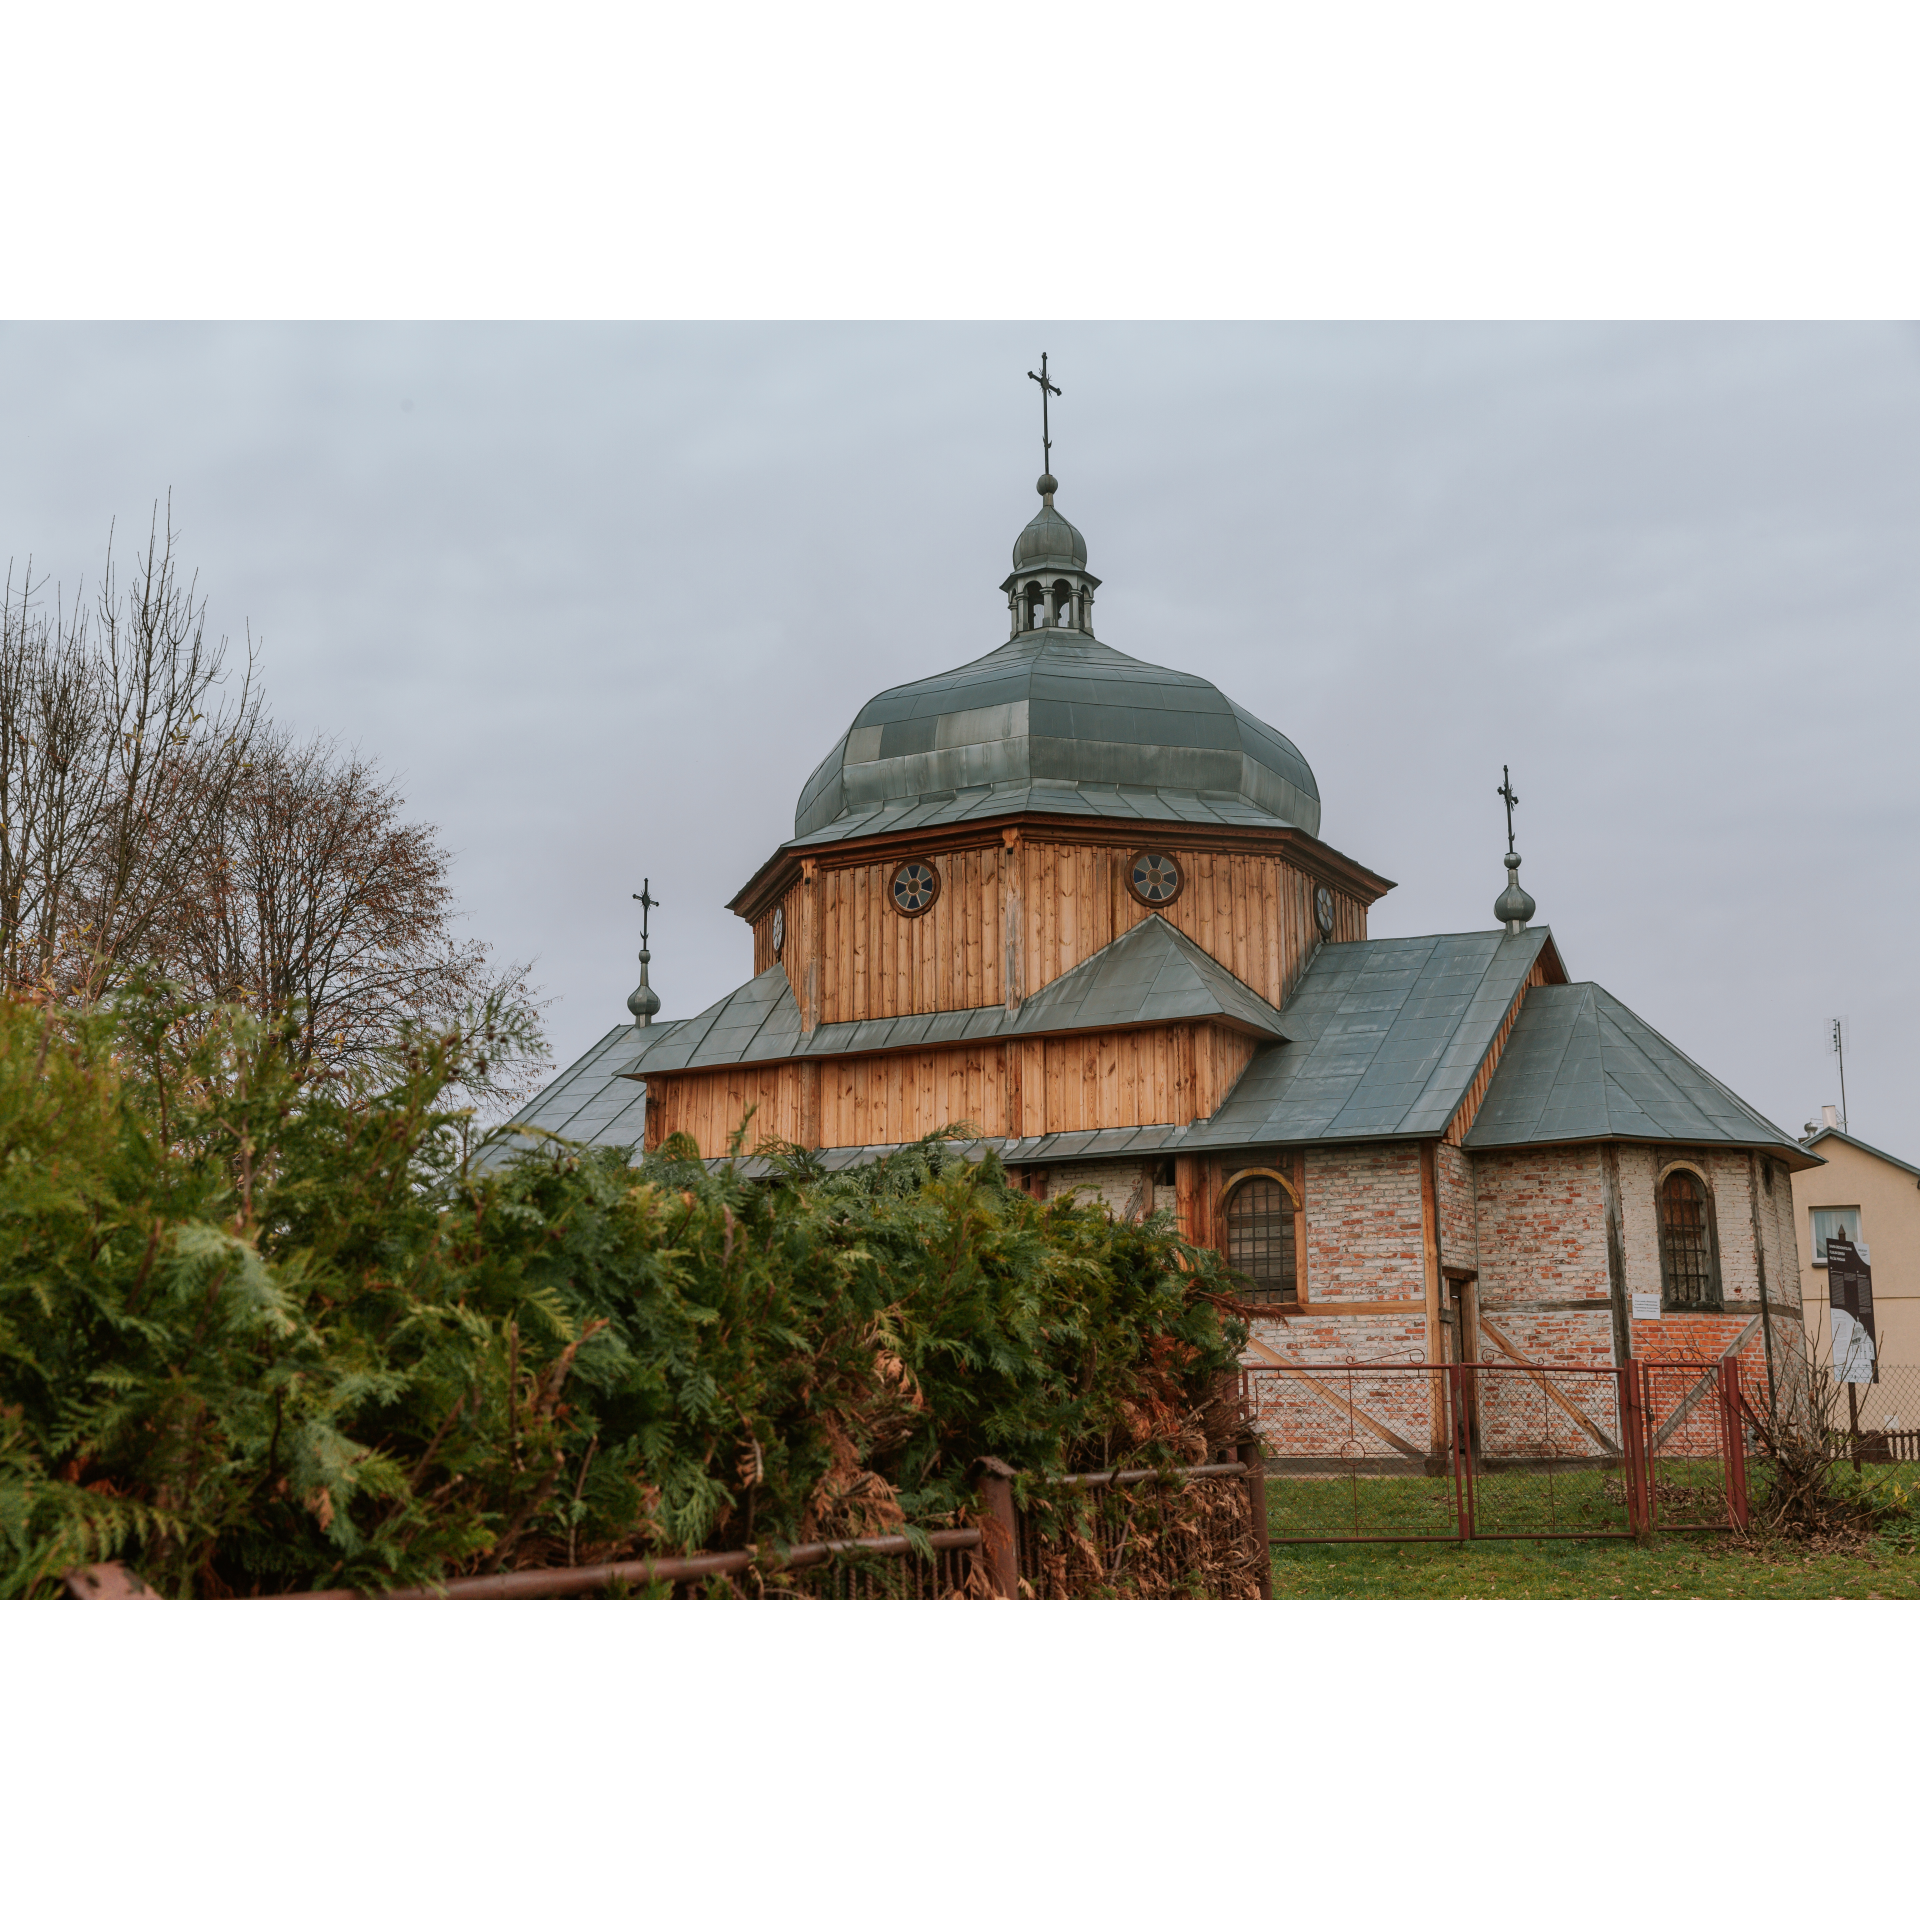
(1073, 1083)
(1011, 918)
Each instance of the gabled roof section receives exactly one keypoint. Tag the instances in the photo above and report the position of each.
(1581, 1066)
(1152, 974)
(1388, 1035)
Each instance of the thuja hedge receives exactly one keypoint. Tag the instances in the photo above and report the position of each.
(256, 1338)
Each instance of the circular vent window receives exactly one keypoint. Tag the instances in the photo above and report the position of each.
(915, 887)
(1156, 878)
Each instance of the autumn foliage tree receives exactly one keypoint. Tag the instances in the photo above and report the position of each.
(154, 821)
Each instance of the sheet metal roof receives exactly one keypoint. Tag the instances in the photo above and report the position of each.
(587, 1103)
(1150, 974)
(1581, 1066)
(1387, 1036)
(1053, 721)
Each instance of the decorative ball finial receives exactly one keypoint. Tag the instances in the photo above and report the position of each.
(1047, 486)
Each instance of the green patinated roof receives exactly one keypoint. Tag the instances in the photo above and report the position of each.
(1581, 1066)
(1151, 974)
(1386, 1038)
(1055, 721)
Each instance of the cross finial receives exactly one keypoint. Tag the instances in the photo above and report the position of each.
(1506, 793)
(647, 904)
(1046, 441)
(643, 1003)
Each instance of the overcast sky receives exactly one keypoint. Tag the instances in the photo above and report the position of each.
(604, 594)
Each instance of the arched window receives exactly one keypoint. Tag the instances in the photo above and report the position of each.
(1260, 1241)
(1036, 606)
(1063, 605)
(1689, 1274)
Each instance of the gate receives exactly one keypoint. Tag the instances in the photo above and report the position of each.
(1429, 1451)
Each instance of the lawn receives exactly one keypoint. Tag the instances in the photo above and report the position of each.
(1426, 1564)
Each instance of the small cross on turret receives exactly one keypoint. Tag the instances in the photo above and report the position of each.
(1046, 441)
(1506, 793)
(1514, 908)
(643, 1003)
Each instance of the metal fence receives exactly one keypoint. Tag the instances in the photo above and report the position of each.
(1873, 1420)
(1194, 1532)
(1426, 1451)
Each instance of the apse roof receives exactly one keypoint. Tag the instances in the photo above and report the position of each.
(1386, 1036)
(1581, 1066)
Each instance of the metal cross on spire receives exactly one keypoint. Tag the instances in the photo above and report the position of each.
(647, 904)
(1046, 441)
(643, 1003)
(1506, 793)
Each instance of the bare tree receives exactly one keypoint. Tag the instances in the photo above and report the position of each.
(118, 753)
(149, 818)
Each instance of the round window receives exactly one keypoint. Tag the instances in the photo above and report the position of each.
(1156, 878)
(779, 928)
(1323, 908)
(915, 887)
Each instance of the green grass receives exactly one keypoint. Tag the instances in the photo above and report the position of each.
(1677, 1566)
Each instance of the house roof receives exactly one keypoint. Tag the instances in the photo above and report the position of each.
(1151, 974)
(1581, 1066)
(1812, 1140)
(1386, 1035)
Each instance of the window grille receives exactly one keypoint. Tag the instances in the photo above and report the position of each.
(1260, 1242)
(1686, 1243)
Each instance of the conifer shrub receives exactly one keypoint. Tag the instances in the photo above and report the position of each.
(258, 1338)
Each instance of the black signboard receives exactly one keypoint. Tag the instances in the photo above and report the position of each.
(1856, 1360)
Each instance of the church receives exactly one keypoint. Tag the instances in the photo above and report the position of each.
(1082, 904)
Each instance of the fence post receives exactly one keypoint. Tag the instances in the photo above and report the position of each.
(1462, 1450)
(1254, 1456)
(1735, 1441)
(1000, 1542)
(1634, 1443)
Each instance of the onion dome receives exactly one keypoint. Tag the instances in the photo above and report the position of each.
(1515, 907)
(1049, 539)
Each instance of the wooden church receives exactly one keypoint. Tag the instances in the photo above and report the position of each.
(1082, 904)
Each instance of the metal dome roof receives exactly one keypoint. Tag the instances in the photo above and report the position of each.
(1055, 722)
(1049, 539)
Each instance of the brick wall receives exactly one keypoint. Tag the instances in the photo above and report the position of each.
(1125, 1185)
(1459, 1225)
(1542, 1227)
(1364, 1225)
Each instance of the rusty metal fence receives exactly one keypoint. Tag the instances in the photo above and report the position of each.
(1196, 1532)
(1427, 1451)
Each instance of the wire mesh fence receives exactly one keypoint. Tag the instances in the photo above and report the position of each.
(1549, 1452)
(1695, 1448)
(1408, 1451)
(1872, 1420)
